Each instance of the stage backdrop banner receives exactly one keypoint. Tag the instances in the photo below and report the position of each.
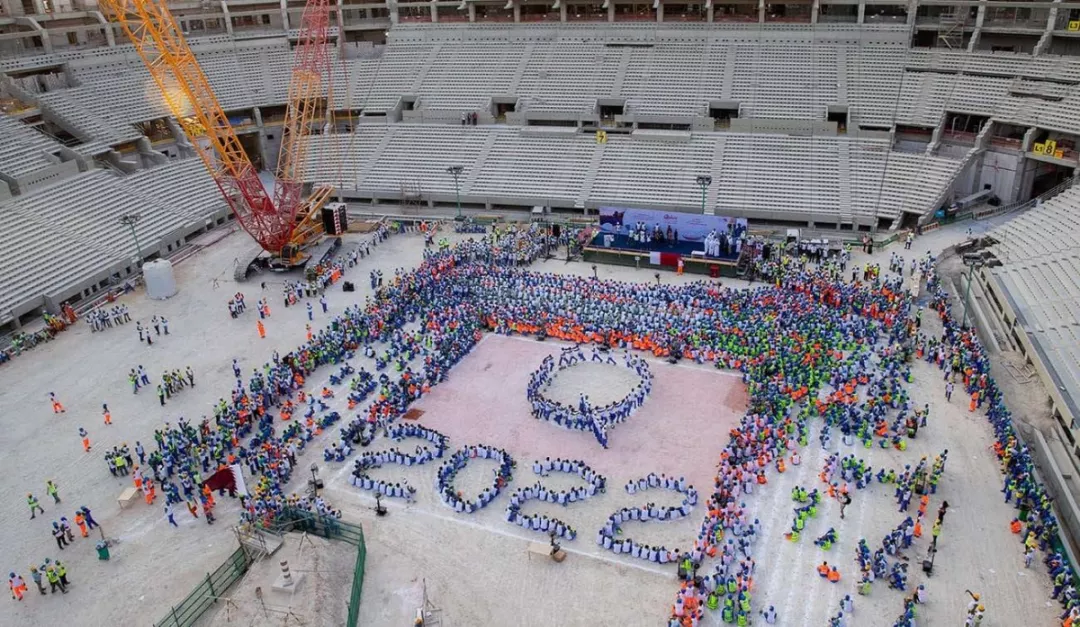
(691, 227)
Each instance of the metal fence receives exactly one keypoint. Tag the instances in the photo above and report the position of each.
(203, 597)
(332, 529)
(357, 584)
(207, 592)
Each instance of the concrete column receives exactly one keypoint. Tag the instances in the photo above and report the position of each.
(110, 36)
(814, 10)
(709, 13)
(980, 16)
(562, 12)
(761, 11)
(472, 12)
(659, 11)
(861, 19)
(1029, 140)
(517, 13)
(1051, 24)
(263, 146)
(285, 15)
(434, 13)
(46, 43)
(611, 11)
(227, 18)
(1026, 177)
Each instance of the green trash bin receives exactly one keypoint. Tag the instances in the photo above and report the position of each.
(102, 551)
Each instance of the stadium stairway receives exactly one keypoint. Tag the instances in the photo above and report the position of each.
(590, 175)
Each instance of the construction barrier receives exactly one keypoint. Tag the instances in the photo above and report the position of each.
(217, 583)
(203, 597)
(331, 529)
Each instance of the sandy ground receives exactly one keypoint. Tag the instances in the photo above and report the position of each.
(321, 597)
(603, 383)
(155, 564)
(477, 569)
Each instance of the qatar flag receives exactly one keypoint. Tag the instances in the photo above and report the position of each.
(230, 479)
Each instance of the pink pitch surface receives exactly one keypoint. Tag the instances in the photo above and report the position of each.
(679, 430)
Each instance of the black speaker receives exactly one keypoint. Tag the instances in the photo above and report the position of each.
(335, 220)
(348, 287)
(556, 230)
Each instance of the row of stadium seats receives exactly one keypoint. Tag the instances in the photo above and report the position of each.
(794, 80)
(67, 232)
(1050, 290)
(770, 78)
(1046, 67)
(1038, 282)
(1051, 228)
(90, 116)
(23, 149)
(768, 176)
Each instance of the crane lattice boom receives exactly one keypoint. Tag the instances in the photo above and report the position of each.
(160, 43)
(310, 63)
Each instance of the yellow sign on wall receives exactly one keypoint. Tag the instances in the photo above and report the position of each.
(1039, 149)
(601, 137)
(1074, 25)
(1051, 146)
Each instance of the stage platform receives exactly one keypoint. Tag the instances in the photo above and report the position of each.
(624, 252)
(639, 258)
(683, 248)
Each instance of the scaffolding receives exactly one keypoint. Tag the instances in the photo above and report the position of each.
(412, 198)
(951, 28)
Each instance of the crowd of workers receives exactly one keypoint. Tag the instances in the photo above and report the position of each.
(809, 347)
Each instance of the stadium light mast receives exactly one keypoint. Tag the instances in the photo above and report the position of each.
(455, 171)
(704, 181)
(130, 220)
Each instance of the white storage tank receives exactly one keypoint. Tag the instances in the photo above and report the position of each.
(160, 282)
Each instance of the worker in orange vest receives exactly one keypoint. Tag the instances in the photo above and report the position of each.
(80, 522)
